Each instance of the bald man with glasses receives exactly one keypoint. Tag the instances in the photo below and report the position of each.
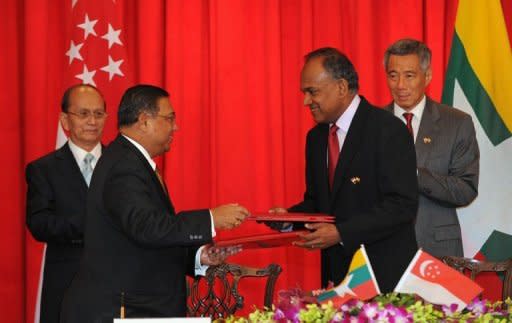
(57, 192)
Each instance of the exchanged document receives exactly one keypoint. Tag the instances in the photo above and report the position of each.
(292, 217)
(269, 240)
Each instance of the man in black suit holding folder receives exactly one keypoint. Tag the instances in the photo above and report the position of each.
(137, 249)
(360, 168)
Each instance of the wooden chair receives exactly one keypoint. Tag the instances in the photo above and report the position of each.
(221, 297)
(475, 267)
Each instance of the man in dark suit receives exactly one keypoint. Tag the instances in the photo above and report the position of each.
(57, 191)
(446, 148)
(137, 250)
(360, 167)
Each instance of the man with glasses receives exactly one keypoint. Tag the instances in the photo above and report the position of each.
(137, 248)
(57, 191)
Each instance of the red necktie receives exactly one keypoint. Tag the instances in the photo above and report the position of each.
(408, 117)
(334, 152)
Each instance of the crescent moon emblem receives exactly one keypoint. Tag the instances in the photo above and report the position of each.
(424, 265)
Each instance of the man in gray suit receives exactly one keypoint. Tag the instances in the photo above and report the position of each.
(446, 148)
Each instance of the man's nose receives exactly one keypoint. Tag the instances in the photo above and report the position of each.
(307, 99)
(401, 82)
(91, 119)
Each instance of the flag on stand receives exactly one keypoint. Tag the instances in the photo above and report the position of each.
(93, 34)
(436, 282)
(478, 81)
(360, 282)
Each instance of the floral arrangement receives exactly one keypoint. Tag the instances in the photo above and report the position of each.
(296, 306)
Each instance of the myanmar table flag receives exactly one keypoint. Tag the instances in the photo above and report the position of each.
(360, 282)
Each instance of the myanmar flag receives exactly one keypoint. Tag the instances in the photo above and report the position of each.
(498, 247)
(360, 282)
(479, 82)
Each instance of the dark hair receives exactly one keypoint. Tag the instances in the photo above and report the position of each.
(64, 103)
(137, 99)
(337, 65)
(409, 46)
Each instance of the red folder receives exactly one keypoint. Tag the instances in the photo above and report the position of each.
(271, 240)
(292, 217)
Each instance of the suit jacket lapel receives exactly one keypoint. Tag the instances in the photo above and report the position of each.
(152, 174)
(350, 146)
(69, 168)
(427, 131)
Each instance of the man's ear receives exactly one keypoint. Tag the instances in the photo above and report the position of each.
(428, 76)
(64, 121)
(142, 121)
(342, 87)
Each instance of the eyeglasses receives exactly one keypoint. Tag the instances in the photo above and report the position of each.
(86, 114)
(170, 118)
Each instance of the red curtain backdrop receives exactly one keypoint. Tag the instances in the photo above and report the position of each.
(232, 68)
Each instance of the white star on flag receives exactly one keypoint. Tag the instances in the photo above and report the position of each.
(113, 68)
(88, 26)
(87, 76)
(74, 52)
(112, 36)
(73, 3)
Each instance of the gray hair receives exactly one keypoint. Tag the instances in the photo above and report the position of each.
(409, 46)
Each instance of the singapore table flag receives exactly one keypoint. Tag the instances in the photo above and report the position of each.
(437, 282)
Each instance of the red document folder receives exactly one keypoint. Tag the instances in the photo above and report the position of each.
(292, 217)
(271, 240)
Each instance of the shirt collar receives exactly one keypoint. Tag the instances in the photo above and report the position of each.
(345, 119)
(79, 153)
(417, 111)
(143, 151)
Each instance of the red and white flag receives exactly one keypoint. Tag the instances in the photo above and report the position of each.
(96, 54)
(94, 36)
(437, 282)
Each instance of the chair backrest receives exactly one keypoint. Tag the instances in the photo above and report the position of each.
(475, 267)
(221, 297)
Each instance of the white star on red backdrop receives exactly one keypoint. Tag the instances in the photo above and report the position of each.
(88, 26)
(113, 68)
(74, 52)
(112, 36)
(87, 76)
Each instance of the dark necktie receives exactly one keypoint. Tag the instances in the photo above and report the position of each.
(408, 117)
(334, 152)
(161, 180)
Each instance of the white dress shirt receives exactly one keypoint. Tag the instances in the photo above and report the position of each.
(417, 112)
(344, 121)
(79, 154)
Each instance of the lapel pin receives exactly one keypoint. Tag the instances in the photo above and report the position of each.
(427, 140)
(355, 180)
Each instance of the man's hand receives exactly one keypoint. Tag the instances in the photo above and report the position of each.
(213, 256)
(323, 235)
(229, 216)
(276, 225)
